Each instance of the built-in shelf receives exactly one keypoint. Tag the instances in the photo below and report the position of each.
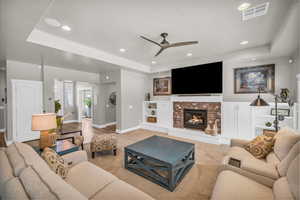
(272, 116)
(265, 127)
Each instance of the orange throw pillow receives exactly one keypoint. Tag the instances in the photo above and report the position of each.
(261, 146)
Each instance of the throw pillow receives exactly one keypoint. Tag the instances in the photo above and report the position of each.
(261, 146)
(55, 162)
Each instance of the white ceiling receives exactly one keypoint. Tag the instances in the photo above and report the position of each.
(108, 25)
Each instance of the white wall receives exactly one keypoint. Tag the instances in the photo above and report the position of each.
(283, 75)
(51, 73)
(283, 79)
(27, 71)
(18, 70)
(133, 88)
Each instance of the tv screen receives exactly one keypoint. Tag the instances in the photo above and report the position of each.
(199, 79)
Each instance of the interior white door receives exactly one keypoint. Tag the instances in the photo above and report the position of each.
(27, 100)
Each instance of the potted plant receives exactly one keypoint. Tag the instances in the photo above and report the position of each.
(59, 118)
(88, 104)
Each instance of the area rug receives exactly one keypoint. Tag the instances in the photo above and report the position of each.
(197, 184)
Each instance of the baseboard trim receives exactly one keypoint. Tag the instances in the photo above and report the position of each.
(128, 130)
(103, 125)
(70, 121)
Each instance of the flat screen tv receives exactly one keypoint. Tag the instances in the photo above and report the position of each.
(199, 79)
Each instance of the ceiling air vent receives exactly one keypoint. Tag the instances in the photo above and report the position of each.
(256, 11)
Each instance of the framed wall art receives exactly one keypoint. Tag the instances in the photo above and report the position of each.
(250, 79)
(162, 86)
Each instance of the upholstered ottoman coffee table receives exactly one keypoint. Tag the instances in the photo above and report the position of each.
(104, 142)
(161, 160)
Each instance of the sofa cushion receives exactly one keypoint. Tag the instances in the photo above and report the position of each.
(282, 167)
(281, 190)
(233, 186)
(55, 162)
(34, 186)
(97, 178)
(30, 156)
(6, 171)
(16, 160)
(293, 177)
(285, 140)
(272, 159)
(124, 191)
(57, 185)
(239, 153)
(261, 146)
(13, 190)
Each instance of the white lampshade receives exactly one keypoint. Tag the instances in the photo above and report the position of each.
(43, 122)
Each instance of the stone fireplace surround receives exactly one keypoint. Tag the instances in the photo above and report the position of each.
(213, 115)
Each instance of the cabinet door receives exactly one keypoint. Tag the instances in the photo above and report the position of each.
(229, 120)
(163, 114)
(237, 120)
(244, 119)
(27, 100)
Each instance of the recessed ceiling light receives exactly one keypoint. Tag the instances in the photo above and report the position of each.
(153, 62)
(52, 22)
(244, 6)
(291, 61)
(253, 59)
(189, 54)
(106, 77)
(244, 42)
(122, 50)
(66, 28)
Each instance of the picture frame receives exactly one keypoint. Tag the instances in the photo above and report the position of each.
(162, 86)
(248, 80)
(281, 111)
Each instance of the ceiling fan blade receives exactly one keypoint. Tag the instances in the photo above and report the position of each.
(179, 44)
(150, 40)
(159, 52)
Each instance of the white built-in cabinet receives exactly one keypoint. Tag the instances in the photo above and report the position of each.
(239, 120)
(236, 120)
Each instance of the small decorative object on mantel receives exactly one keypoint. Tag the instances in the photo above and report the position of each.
(162, 86)
(249, 79)
(284, 95)
(208, 129)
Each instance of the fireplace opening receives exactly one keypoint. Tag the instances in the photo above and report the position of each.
(195, 119)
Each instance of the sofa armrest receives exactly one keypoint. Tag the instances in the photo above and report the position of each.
(238, 142)
(75, 157)
(256, 170)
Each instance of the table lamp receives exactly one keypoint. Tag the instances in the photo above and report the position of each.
(44, 123)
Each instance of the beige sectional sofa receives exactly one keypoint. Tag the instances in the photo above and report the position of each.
(276, 177)
(25, 175)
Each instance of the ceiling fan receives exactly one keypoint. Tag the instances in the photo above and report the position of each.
(165, 44)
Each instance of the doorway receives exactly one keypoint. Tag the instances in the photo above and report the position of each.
(84, 101)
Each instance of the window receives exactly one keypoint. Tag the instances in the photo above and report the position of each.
(68, 94)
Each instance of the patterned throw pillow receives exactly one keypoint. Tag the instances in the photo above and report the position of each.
(261, 146)
(55, 162)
